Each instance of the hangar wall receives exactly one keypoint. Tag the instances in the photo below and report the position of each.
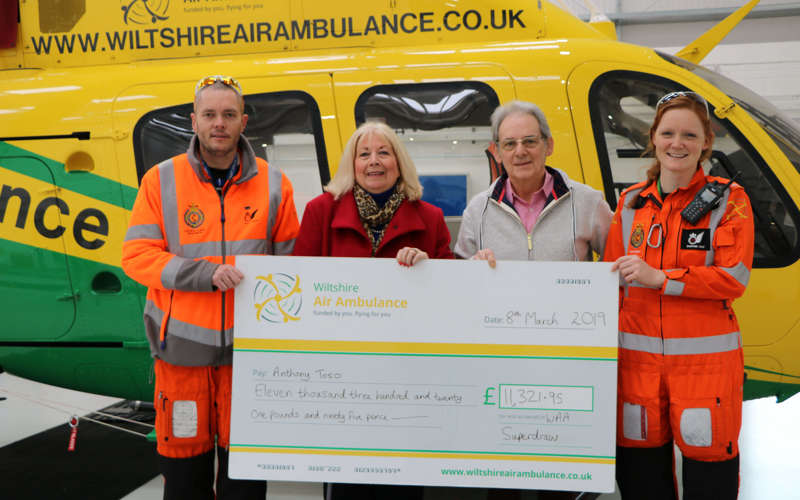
(762, 52)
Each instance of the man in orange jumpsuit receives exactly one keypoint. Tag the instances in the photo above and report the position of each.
(193, 213)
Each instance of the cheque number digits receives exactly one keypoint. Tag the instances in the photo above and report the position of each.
(324, 468)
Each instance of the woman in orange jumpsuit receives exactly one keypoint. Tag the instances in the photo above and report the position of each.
(680, 349)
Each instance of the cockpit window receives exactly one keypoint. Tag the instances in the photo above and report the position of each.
(445, 127)
(783, 130)
(283, 128)
(622, 107)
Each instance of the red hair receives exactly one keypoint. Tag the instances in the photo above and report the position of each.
(679, 102)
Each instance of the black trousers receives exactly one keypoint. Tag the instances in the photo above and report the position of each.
(509, 494)
(193, 478)
(380, 492)
(344, 491)
(648, 473)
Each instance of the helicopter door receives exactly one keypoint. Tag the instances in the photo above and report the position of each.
(34, 221)
(615, 120)
(289, 118)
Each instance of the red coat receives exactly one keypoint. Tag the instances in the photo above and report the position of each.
(332, 228)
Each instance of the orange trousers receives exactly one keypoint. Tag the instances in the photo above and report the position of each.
(193, 408)
(695, 402)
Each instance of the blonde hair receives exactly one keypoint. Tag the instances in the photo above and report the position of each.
(218, 85)
(344, 179)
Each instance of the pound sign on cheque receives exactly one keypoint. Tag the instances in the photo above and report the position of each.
(488, 397)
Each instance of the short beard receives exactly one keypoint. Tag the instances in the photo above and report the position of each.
(215, 152)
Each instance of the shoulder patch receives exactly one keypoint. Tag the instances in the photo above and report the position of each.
(737, 209)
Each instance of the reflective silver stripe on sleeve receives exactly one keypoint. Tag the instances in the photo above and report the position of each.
(169, 274)
(674, 287)
(713, 222)
(169, 206)
(203, 249)
(636, 284)
(642, 343)
(627, 218)
(703, 345)
(627, 215)
(275, 180)
(144, 232)
(739, 272)
(189, 343)
(214, 248)
(283, 247)
(672, 347)
(197, 334)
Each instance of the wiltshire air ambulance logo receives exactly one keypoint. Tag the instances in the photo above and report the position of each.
(278, 298)
(144, 11)
(249, 214)
(637, 237)
(193, 216)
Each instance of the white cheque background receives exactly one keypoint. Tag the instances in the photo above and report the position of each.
(473, 376)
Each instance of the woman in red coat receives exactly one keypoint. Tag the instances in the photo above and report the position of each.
(372, 208)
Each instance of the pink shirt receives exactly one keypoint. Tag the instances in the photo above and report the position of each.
(529, 212)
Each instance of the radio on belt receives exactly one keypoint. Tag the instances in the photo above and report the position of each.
(705, 200)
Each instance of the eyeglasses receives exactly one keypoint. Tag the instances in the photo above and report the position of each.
(211, 80)
(530, 142)
(691, 95)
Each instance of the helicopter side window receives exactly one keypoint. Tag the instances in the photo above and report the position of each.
(283, 128)
(445, 127)
(622, 106)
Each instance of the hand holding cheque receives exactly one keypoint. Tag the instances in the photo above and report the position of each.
(445, 373)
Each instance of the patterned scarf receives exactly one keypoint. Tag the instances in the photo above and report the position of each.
(373, 218)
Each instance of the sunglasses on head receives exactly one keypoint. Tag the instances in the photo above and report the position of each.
(211, 80)
(691, 95)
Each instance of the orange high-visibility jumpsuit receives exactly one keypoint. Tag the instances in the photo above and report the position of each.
(680, 349)
(181, 230)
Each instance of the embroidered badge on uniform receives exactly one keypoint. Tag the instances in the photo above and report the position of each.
(193, 216)
(737, 210)
(637, 237)
(696, 239)
(249, 214)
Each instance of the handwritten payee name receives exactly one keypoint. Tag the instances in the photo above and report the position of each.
(289, 373)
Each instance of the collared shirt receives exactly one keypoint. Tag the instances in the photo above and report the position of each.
(529, 212)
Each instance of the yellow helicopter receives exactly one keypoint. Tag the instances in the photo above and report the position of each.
(92, 94)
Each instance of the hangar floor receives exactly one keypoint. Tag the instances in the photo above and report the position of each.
(112, 464)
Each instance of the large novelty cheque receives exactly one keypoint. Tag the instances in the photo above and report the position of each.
(445, 373)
